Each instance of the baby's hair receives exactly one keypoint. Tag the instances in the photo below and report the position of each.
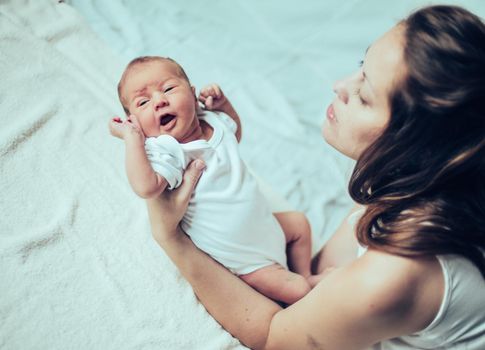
(147, 59)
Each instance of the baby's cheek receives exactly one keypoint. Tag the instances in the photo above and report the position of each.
(191, 107)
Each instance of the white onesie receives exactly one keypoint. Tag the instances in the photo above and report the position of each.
(228, 217)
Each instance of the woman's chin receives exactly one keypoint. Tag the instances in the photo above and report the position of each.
(331, 139)
(326, 132)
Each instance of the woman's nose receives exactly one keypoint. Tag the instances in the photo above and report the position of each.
(159, 100)
(340, 88)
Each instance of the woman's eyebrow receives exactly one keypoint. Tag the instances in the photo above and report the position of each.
(365, 75)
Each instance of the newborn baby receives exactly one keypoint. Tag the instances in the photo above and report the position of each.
(227, 217)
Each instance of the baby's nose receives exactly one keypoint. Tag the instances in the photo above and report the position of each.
(160, 101)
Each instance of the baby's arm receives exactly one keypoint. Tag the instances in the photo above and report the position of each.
(297, 230)
(214, 100)
(143, 179)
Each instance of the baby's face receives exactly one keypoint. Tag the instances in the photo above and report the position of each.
(161, 100)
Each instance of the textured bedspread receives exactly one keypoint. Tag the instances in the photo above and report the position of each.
(78, 267)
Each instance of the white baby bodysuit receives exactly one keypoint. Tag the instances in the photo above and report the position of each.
(228, 217)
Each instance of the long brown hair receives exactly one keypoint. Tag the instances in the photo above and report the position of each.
(423, 179)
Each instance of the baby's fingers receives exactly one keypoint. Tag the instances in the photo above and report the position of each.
(202, 98)
(217, 91)
(132, 119)
(211, 90)
(115, 128)
(209, 102)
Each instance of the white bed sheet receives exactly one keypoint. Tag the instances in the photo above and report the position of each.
(277, 61)
(78, 267)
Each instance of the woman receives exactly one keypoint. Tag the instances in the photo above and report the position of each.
(414, 119)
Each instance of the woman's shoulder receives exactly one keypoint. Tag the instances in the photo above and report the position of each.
(409, 288)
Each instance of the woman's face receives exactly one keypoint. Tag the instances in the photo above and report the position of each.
(361, 109)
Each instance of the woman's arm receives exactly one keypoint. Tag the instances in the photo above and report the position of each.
(242, 311)
(341, 248)
(352, 308)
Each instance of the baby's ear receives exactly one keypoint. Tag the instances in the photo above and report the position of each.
(195, 96)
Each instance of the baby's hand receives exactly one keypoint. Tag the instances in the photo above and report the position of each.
(213, 98)
(125, 128)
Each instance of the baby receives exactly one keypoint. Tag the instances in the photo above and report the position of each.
(227, 217)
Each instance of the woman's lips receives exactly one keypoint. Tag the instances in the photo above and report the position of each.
(331, 113)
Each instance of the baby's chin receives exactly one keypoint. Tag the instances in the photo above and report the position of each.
(157, 134)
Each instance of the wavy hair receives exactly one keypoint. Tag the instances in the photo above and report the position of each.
(423, 179)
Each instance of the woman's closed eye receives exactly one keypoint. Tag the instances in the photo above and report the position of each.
(361, 99)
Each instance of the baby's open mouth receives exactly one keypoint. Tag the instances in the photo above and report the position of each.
(165, 119)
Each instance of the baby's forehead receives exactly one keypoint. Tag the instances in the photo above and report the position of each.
(160, 69)
(142, 73)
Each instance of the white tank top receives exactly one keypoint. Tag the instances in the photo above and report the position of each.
(460, 321)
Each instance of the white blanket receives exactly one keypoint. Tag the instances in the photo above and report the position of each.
(78, 267)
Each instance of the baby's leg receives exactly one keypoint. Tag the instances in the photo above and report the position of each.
(298, 241)
(278, 283)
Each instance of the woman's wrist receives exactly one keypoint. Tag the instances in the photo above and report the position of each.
(168, 239)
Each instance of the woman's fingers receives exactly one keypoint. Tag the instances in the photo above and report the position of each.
(167, 210)
(191, 177)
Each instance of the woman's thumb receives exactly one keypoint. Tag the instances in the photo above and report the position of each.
(191, 176)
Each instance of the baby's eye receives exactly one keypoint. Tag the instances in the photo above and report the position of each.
(142, 102)
(169, 88)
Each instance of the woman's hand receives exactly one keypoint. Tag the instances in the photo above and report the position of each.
(167, 210)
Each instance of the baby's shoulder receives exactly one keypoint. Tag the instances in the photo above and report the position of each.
(219, 120)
